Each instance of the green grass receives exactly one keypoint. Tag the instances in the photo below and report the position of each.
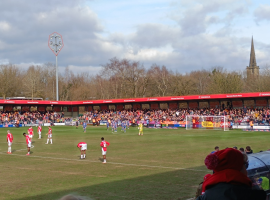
(161, 164)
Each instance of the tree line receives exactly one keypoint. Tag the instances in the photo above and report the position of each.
(125, 79)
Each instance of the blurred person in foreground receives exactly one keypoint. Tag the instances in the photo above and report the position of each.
(261, 182)
(199, 189)
(230, 181)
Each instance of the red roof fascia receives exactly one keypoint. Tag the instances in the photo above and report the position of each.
(140, 100)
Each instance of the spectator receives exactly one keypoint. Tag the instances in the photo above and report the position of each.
(216, 150)
(242, 150)
(230, 181)
(235, 147)
(263, 183)
(199, 189)
(251, 124)
(248, 150)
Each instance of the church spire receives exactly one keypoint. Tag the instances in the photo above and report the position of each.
(252, 69)
(252, 62)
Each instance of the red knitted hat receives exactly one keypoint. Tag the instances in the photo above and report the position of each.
(225, 159)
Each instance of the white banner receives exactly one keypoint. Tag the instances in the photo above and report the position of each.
(240, 127)
(59, 124)
(30, 125)
(70, 123)
(248, 127)
(261, 127)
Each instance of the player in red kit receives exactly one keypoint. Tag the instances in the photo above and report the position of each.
(28, 142)
(9, 141)
(104, 145)
(39, 131)
(83, 147)
(49, 135)
(31, 132)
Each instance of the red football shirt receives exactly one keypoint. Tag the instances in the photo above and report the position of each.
(104, 145)
(80, 144)
(30, 131)
(27, 139)
(9, 137)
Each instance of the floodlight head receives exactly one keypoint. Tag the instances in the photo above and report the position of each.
(55, 40)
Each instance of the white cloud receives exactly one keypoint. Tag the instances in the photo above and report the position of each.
(147, 55)
(262, 13)
(4, 26)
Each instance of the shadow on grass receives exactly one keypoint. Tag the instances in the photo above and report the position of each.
(174, 185)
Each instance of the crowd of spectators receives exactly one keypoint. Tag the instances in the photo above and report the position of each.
(235, 116)
(247, 150)
(31, 117)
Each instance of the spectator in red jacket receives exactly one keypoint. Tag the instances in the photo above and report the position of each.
(230, 179)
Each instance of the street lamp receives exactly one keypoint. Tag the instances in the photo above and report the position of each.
(56, 44)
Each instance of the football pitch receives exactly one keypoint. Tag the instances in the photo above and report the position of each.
(161, 164)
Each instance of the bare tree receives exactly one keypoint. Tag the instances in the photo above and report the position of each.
(10, 80)
(182, 85)
(202, 79)
(123, 76)
(224, 82)
(160, 78)
(32, 81)
(260, 83)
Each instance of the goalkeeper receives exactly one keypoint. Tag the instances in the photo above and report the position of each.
(140, 128)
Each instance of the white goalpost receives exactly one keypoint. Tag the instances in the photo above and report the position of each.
(207, 122)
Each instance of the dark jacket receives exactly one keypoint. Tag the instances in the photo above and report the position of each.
(226, 191)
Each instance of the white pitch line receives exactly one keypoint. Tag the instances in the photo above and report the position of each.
(32, 146)
(13, 143)
(21, 149)
(114, 163)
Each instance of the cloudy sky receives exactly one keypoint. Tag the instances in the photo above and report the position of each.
(183, 35)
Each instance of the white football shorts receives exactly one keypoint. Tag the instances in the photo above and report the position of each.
(103, 152)
(31, 136)
(29, 144)
(49, 135)
(9, 144)
(84, 147)
(39, 132)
